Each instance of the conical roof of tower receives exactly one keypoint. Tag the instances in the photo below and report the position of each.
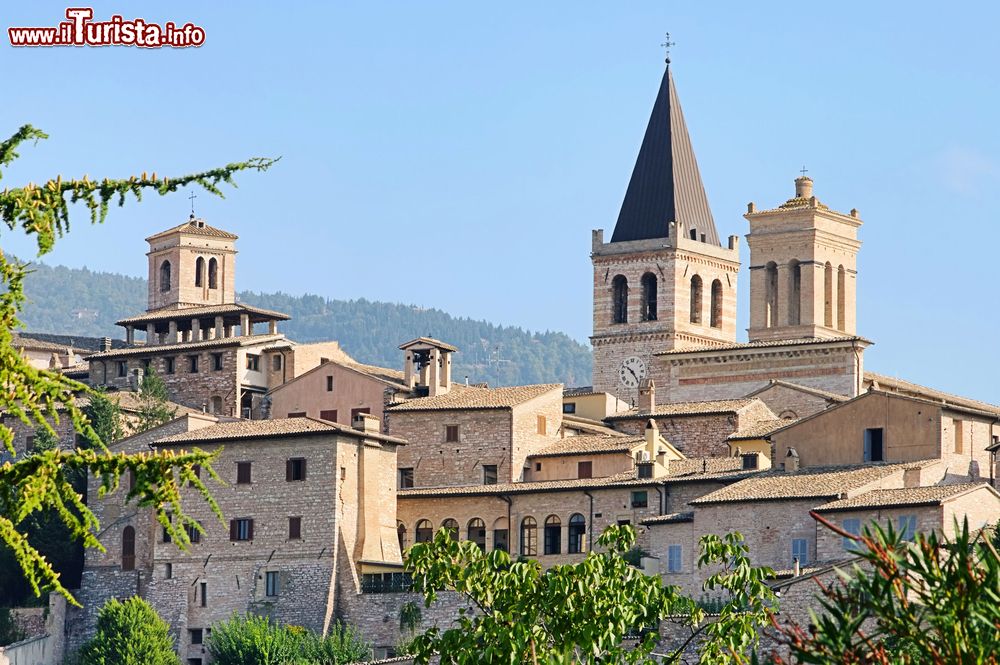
(196, 227)
(666, 184)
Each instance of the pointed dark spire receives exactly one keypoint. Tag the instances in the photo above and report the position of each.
(666, 184)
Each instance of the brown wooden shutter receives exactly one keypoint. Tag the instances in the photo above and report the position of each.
(250, 530)
(329, 414)
(288, 470)
(303, 469)
(232, 529)
(294, 528)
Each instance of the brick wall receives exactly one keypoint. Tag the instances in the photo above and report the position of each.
(695, 436)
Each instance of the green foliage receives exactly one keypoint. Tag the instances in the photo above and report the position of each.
(934, 600)
(45, 439)
(254, 640)
(105, 417)
(39, 397)
(129, 633)
(84, 302)
(577, 613)
(153, 403)
(10, 632)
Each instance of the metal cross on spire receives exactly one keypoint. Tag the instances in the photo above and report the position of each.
(192, 198)
(803, 171)
(666, 45)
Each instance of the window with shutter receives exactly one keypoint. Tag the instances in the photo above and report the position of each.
(451, 433)
(294, 528)
(328, 414)
(243, 473)
(295, 469)
(585, 469)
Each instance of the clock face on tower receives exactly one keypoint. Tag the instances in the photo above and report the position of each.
(632, 371)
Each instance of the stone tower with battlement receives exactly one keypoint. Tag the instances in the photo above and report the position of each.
(664, 281)
(803, 269)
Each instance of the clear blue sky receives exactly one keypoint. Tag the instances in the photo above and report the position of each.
(498, 135)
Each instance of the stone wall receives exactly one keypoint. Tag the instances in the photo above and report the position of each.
(695, 436)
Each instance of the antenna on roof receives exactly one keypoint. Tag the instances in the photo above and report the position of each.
(495, 359)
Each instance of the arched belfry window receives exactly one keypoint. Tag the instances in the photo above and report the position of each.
(716, 315)
(696, 289)
(128, 548)
(213, 273)
(165, 276)
(828, 295)
(649, 297)
(619, 299)
(841, 298)
(771, 295)
(199, 271)
(794, 293)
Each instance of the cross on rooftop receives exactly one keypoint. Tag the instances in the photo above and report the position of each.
(666, 45)
(803, 171)
(192, 198)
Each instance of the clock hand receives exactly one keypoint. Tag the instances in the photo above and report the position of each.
(632, 373)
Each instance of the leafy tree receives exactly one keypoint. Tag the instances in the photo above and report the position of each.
(154, 409)
(105, 417)
(129, 632)
(934, 600)
(35, 396)
(255, 640)
(581, 612)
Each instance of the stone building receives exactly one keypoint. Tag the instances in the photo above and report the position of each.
(212, 353)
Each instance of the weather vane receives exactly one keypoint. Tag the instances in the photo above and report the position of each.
(803, 171)
(666, 45)
(192, 197)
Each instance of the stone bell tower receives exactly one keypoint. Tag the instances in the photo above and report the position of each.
(191, 265)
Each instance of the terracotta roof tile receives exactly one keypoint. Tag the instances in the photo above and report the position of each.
(892, 385)
(430, 341)
(825, 394)
(687, 409)
(477, 398)
(760, 429)
(166, 349)
(672, 518)
(589, 426)
(907, 496)
(202, 311)
(256, 429)
(765, 344)
(195, 227)
(586, 443)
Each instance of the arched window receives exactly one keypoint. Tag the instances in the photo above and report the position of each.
(529, 537)
(553, 535)
(213, 273)
(401, 534)
(828, 295)
(128, 548)
(619, 299)
(424, 532)
(771, 295)
(794, 292)
(216, 404)
(649, 297)
(577, 533)
(165, 276)
(841, 298)
(696, 299)
(199, 271)
(716, 315)
(477, 532)
(452, 527)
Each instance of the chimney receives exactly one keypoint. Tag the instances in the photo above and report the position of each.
(647, 396)
(367, 423)
(791, 460)
(652, 438)
(803, 187)
(105, 344)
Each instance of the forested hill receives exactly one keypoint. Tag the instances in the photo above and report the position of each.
(80, 302)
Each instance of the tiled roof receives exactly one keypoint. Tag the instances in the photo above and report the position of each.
(760, 429)
(257, 429)
(382, 373)
(813, 482)
(581, 391)
(892, 385)
(686, 409)
(706, 466)
(166, 349)
(128, 400)
(201, 312)
(825, 394)
(907, 496)
(430, 341)
(477, 398)
(583, 444)
(192, 226)
(588, 425)
(672, 518)
(76, 342)
(24, 342)
(766, 344)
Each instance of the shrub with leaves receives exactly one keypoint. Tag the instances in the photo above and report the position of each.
(934, 600)
(38, 397)
(129, 632)
(254, 640)
(154, 408)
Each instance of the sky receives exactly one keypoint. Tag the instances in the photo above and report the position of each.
(457, 155)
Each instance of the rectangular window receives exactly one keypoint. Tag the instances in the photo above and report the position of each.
(874, 451)
(406, 478)
(297, 414)
(329, 384)
(166, 531)
(538, 466)
(750, 461)
(959, 437)
(204, 594)
(357, 412)
(295, 469)
(122, 369)
(328, 414)
(640, 499)
(674, 559)
(489, 474)
(624, 522)
(800, 551)
(217, 362)
(197, 635)
(194, 535)
(451, 433)
(243, 473)
(253, 362)
(193, 364)
(569, 407)
(553, 538)
(276, 362)
(146, 362)
(585, 469)
(168, 365)
(540, 425)
(271, 583)
(168, 571)
(241, 529)
(500, 540)
(907, 527)
(294, 528)
(29, 443)
(853, 527)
